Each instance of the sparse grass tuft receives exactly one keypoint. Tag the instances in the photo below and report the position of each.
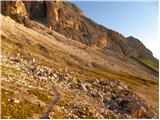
(39, 93)
(149, 64)
(21, 110)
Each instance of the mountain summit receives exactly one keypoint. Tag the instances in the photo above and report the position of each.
(97, 72)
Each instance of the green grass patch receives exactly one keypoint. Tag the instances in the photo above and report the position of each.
(149, 63)
(22, 110)
(57, 115)
(130, 80)
(42, 95)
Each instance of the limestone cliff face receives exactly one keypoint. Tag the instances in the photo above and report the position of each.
(52, 12)
(15, 9)
(63, 17)
(70, 21)
(138, 47)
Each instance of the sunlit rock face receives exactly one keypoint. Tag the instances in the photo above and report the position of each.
(15, 9)
(70, 21)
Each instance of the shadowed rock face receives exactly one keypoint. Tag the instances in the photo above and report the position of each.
(36, 10)
(138, 46)
(69, 20)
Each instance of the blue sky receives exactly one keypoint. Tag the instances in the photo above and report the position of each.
(138, 19)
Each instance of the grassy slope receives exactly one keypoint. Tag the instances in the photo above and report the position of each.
(149, 64)
(61, 55)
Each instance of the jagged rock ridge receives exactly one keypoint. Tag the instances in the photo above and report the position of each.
(69, 20)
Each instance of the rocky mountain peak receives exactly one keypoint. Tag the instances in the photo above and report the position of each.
(69, 20)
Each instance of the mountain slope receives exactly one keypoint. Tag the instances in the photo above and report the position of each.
(93, 82)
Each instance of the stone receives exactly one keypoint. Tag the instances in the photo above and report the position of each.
(16, 101)
(103, 82)
(55, 75)
(73, 85)
(97, 95)
(42, 48)
(106, 99)
(139, 112)
(40, 103)
(73, 116)
(66, 78)
(82, 87)
(90, 65)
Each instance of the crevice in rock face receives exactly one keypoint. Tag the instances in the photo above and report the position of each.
(38, 10)
(45, 9)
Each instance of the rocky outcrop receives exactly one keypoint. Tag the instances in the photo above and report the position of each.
(15, 9)
(35, 9)
(52, 12)
(70, 21)
(138, 47)
(63, 17)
